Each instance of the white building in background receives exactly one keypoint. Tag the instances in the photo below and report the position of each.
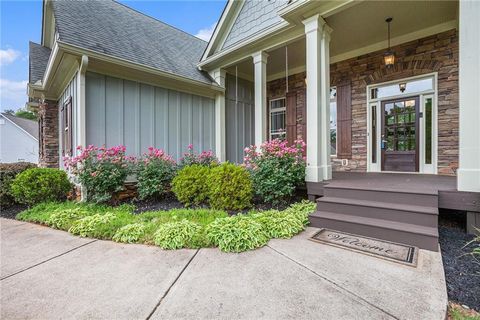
(18, 139)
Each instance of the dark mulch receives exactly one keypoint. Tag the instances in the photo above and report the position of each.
(462, 270)
(12, 211)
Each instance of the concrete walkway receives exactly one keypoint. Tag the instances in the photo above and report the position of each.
(49, 274)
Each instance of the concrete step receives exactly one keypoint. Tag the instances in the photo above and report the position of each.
(405, 213)
(420, 236)
(427, 199)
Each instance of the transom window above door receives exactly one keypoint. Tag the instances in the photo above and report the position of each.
(401, 88)
(277, 119)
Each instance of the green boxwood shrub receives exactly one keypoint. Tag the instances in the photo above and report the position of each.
(177, 235)
(190, 184)
(229, 187)
(37, 185)
(155, 173)
(8, 172)
(131, 233)
(237, 234)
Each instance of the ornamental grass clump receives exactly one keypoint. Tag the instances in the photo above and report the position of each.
(237, 234)
(229, 187)
(177, 235)
(277, 169)
(155, 172)
(102, 171)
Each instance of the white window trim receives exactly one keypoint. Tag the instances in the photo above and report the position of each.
(423, 168)
(270, 134)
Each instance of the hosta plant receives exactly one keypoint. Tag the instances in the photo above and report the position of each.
(88, 226)
(177, 235)
(131, 233)
(64, 218)
(279, 224)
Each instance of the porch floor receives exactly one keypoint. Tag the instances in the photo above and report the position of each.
(394, 182)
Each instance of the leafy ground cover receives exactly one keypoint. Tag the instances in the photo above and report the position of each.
(173, 229)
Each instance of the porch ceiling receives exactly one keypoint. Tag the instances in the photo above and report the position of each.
(363, 26)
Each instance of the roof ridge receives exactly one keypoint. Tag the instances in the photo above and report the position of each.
(157, 20)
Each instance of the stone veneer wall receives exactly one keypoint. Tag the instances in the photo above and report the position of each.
(49, 136)
(437, 53)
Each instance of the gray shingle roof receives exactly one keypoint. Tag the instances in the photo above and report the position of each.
(111, 28)
(30, 126)
(38, 59)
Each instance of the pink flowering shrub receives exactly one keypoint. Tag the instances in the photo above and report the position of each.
(205, 158)
(155, 172)
(277, 169)
(102, 171)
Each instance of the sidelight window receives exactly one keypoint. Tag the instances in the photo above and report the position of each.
(277, 119)
(333, 121)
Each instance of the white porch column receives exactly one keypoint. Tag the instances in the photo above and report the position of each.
(81, 139)
(318, 99)
(260, 63)
(220, 146)
(468, 178)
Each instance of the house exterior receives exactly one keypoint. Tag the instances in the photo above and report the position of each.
(314, 70)
(18, 139)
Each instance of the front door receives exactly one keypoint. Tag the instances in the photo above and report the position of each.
(400, 130)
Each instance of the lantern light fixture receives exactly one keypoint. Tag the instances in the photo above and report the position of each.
(402, 86)
(389, 55)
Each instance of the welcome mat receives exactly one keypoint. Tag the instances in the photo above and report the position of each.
(392, 251)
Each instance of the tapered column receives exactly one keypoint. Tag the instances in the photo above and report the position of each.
(260, 64)
(469, 82)
(318, 99)
(220, 137)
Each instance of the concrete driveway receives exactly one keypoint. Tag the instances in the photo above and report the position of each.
(49, 274)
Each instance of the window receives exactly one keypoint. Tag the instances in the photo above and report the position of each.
(411, 87)
(333, 121)
(428, 129)
(277, 119)
(67, 127)
(374, 134)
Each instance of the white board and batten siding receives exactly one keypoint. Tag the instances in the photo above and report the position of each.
(137, 115)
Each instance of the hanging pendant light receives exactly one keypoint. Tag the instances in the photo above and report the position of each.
(389, 55)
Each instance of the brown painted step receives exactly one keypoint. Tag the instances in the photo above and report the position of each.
(419, 215)
(420, 236)
(428, 199)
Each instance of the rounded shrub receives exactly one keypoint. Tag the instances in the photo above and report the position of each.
(177, 235)
(131, 233)
(37, 185)
(229, 187)
(8, 172)
(155, 173)
(236, 234)
(190, 184)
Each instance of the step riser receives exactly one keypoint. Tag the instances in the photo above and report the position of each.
(418, 218)
(383, 196)
(421, 241)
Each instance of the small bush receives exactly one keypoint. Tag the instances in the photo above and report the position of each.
(205, 158)
(229, 187)
(277, 169)
(177, 235)
(63, 218)
(87, 226)
(190, 184)
(40, 185)
(236, 234)
(155, 173)
(131, 233)
(101, 171)
(279, 224)
(8, 172)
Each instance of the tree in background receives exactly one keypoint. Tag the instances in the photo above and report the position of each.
(22, 113)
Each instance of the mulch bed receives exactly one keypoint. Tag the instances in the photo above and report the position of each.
(462, 270)
(12, 211)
